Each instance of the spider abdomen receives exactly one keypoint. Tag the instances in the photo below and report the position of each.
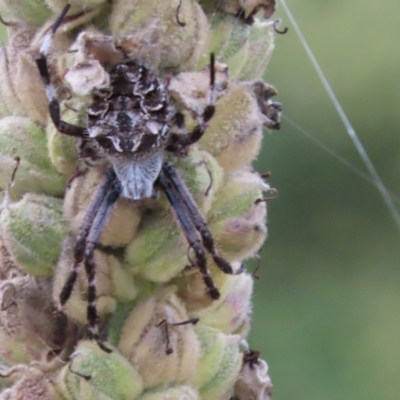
(132, 117)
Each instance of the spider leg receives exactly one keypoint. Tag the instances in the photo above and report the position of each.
(54, 105)
(80, 245)
(95, 232)
(179, 140)
(197, 219)
(189, 231)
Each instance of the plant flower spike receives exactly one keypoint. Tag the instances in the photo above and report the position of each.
(128, 204)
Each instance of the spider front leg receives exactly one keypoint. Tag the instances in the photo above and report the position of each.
(54, 105)
(179, 141)
(96, 230)
(80, 245)
(89, 234)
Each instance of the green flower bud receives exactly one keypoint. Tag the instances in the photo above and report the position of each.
(173, 393)
(231, 312)
(76, 5)
(30, 326)
(94, 374)
(81, 11)
(113, 283)
(238, 215)
(191, 288)
(220, 363)
(33, 12)
(23, 138)
(235, 132)
(246, 9)
(162, 33)
(228, 40)
(158, 251)
(124, 219)
(62, 148)
(153, 339)
(29, 224)
(261, 46)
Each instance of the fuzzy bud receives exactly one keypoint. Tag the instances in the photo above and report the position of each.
(124, 219)
(235, 132)
(238, 215)
(165, 34)
(154, 339)
(259, 52)
(26, 226)
(23, 138)
(33, 12)
(231, 312)
(245, 9)
(219, 365)
(180, 392)
(30, 325)
(113, 283)
(94, 374)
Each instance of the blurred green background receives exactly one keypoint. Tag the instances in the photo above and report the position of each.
(327, 306)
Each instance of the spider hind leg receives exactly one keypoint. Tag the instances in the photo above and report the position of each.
(194, 226)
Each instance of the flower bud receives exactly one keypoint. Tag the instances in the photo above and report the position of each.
(62, 148)
(125, 216)
(160, 340)
(259, 52)
(235, 132)
(23, 138)
(162, 33)
(80, 13)
(191, 288)
(238, 215)
(245, 9)
(113, 283)
(219, 365)
(94, 374)
(158, 251)
(33, 230)
(33, 12)
(231, 312)
(180, 392)
(30, 325)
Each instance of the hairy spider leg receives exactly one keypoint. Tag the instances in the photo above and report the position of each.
(95, 232)
(177, 141)
(189, 231)
(54, 105)
(80, 245)
(197, 219)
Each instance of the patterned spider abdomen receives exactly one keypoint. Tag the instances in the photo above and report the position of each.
(132, 117)
(130, 122)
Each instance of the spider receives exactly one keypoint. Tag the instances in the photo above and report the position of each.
(129, 126)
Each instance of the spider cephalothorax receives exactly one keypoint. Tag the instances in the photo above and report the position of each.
(129, 127)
